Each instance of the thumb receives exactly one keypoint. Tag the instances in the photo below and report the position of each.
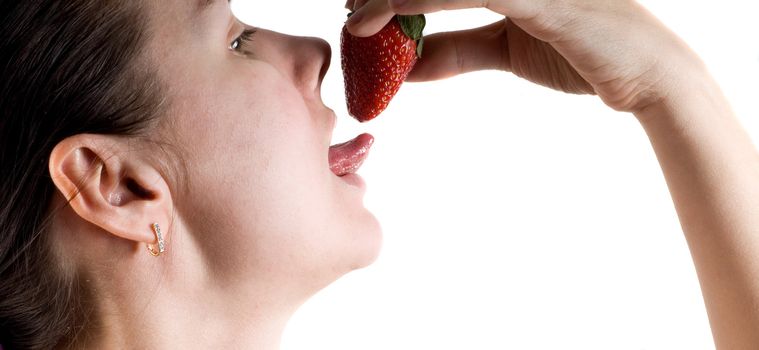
(452, 53)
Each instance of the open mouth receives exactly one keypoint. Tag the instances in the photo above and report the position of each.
(346, 158)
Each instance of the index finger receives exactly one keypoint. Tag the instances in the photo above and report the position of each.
(509, 8)
(411, 7)
(370, 18)
(375, 14)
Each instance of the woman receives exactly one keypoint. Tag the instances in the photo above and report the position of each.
(115, 113)
(171, 124)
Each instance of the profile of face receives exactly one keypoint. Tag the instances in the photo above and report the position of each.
(126, 116)
(256, 200)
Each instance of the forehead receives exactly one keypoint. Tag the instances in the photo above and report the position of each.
(185, 31)
(186, 9)
(175, 18)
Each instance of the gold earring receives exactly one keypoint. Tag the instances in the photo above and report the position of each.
(159, 237)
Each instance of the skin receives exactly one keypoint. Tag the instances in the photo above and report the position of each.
(235, 172)
(619, 51)
(254, 221)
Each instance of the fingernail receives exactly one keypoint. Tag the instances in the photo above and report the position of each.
(355, 18)
(398, 3)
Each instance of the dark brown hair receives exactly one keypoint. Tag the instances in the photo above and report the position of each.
(67, 67)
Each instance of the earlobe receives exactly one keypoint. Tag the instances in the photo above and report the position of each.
(110, 186)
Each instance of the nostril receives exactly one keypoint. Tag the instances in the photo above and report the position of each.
(309, 59)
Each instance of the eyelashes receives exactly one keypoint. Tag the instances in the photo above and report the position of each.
(241, 41)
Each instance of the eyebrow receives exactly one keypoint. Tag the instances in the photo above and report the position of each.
(203, 5)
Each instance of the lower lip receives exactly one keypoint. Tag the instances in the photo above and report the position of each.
(354, 180)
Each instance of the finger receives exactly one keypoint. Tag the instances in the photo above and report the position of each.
(370, 18)
(358, 4)
(411, 7)
(510, 8)
(452, 53)
(349, 4)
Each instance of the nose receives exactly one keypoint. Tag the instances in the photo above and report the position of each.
(308, 59)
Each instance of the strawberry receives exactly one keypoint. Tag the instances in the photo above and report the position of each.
(375, 67)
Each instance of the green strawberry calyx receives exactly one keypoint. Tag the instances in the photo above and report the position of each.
(413, 26)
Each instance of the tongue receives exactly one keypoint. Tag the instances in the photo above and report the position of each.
(346, 158)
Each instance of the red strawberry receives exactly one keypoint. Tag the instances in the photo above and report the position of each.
(375, 67)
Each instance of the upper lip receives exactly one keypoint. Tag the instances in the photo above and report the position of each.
(331, 124)
(332, 120)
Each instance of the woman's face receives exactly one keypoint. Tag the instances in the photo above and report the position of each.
(257, 200)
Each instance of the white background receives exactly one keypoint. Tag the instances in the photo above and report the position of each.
(516, 217)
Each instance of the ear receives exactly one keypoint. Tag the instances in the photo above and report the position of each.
(112, 187)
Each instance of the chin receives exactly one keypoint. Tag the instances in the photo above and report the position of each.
(358, 250)
(367, 244)
(359, 245)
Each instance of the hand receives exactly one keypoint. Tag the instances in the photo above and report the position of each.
(613, 48)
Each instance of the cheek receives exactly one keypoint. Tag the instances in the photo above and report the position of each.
(268, 152)
(259, 168)
(261, 196)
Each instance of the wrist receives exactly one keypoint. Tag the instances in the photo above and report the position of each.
(687, 92)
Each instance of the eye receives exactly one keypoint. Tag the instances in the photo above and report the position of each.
(239, 43)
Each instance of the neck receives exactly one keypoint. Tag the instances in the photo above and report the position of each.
(202, 323)
(176, 301)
